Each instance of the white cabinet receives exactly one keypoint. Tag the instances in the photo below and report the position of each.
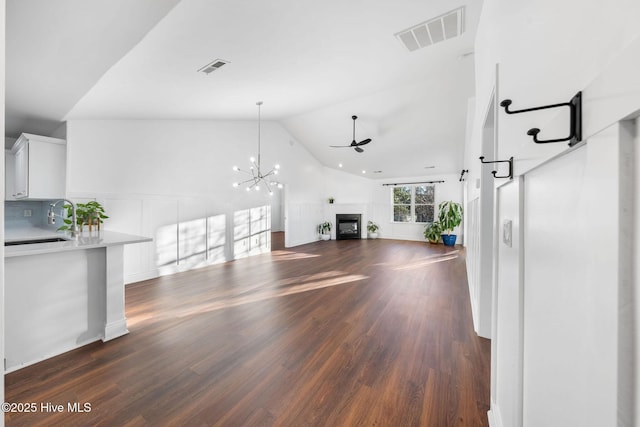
(9, 175)
(40, 167)
(21, 171)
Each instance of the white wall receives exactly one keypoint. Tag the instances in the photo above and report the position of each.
(547, 51)
(154, 174)
(634, 349)
(371, 198)
(2, 91)
(450, 189)
(352, 195)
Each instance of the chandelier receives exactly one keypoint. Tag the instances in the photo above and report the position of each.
(257, 177)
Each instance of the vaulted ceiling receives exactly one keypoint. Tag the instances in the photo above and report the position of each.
(314, 64)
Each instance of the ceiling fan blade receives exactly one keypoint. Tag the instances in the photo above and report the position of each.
(355, 145)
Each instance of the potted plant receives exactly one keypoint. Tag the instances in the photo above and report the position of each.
(449, 217)
(90, 214)
(432, 232)
(331, 200)
(324, 230)
(95, 214)
(372, 228)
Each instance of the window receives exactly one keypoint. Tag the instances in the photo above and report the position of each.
(413, 203)
(424, 203)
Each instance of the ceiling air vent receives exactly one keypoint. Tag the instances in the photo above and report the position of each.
(443, 27)
(213, 66)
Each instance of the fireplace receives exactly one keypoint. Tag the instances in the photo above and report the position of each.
(348, 226)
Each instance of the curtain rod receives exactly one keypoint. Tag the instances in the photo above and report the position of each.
(408, 183)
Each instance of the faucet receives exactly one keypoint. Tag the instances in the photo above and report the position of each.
(51, 216)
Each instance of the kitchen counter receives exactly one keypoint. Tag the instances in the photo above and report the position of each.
(62, 295)
(85, 241)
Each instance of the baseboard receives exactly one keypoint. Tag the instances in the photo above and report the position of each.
(495, 420)
(474, 311)
(50, 355)
(139, 277)
(114, 330)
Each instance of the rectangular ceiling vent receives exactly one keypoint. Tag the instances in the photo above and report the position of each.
(213, 66)
(443, 27)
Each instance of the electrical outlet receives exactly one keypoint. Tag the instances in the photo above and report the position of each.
(27, 212)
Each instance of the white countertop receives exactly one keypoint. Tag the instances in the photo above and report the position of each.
(86, 240)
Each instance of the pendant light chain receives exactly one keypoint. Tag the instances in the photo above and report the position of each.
(259, 104)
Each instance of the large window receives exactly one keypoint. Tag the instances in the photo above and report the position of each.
(413, 203)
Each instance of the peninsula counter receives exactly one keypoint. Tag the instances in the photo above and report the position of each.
(62, 295)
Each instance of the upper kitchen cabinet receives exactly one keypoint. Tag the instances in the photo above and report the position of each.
(39, 168)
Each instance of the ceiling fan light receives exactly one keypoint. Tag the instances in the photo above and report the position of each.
(279, 185)
(235, 184)
(252, 159)
(277, 167)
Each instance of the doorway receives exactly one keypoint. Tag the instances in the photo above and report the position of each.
(277, 220)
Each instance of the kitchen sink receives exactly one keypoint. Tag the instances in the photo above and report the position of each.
(33, 241)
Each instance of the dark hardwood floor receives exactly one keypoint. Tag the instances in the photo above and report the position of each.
(337, 333)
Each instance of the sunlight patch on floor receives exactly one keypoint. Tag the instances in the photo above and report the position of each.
(289, 256)
(275, 292)
(428, 261)
(253, 294)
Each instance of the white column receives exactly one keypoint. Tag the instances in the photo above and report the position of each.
(115, 319)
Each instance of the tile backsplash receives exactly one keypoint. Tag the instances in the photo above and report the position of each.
(29, 214)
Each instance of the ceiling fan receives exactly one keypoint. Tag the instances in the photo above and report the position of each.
(355, 145)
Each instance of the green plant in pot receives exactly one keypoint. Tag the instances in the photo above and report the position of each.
(90, 214)
(372, 228)
(432, 232)
(324, 230)
(449, 217)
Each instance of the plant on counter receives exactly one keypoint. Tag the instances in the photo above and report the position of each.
(331, 200)
(432, 232)
(90, 214)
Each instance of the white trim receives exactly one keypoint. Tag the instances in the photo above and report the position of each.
(115, 329)
(495, 419)
(50, 355)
